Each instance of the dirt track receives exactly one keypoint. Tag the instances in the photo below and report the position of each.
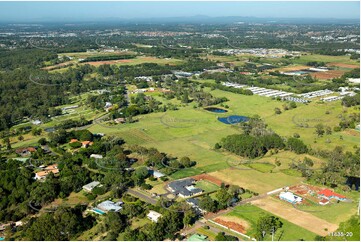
(302, 219)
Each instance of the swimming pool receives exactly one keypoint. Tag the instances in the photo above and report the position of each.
(98, 211)
(233, 119)
(2, 238)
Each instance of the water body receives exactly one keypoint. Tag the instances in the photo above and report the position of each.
(215, 110)
(49, 130)
(233, 119)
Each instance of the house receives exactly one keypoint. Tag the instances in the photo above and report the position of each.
(156, 174)
(90, 186)
(328, 194)
(86, 144)
(194, 202)
(290, 197)
(119, 120)
(46, 171)
(197, 237)
(36, 122)
(184, 187)
(108, 105)
(74, 140)
(324, 201)
(154, 216)
(107, 206)
(25, 151)
(96, 156)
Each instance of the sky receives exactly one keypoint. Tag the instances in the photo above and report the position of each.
(90, 11)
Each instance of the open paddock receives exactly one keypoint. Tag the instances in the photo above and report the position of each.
(249, 215)
(343, 65)
(303, 219)
(327, 74)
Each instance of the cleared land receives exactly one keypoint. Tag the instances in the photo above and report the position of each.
(300, 218)
(328, 74)
(343, 65)
(250, 214)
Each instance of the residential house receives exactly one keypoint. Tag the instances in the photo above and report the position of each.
(184, 188)
(96, 156)
(90, 186)
(324, 201)
(119, 120)
(25, 151)
(46, 171)
(328, 194)
(74, 140)
(107, 206)
(155, 173)
(154, 216)
(86, 144)
(194, 202)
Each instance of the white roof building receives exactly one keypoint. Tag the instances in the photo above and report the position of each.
(96, 156)
(89, 187)
(154, 216)
(290, 197)
(107, 206)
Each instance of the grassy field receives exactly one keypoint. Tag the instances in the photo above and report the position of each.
(252, 213)
(206, 186)
(325, 58)
(254, 180)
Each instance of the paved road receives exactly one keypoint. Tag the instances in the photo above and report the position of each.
(142, 196)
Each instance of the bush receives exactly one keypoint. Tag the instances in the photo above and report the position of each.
(75, 145)
(146, 186)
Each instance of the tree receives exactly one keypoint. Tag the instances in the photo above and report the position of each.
(21, 138)
(277, 111)
(296, 145)
(223, 198)
(42, 141)
(208, 204)
(185, 98)
(267, 224)
(320, 130)
(328, 130)
(186, 162)
(6, 141)
(221, 236)
(217, 146)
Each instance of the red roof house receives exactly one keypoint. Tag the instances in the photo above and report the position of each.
(330, 194)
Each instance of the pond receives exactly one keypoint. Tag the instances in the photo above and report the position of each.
(49, 130)
(233, 119)
(216, 110)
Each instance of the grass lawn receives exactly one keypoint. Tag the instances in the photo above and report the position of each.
(292, 172)
(254, 180)
(251, 214)
(207, 186)
(262, 167)
(139, 222)
(211, 235)
(325, 58)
